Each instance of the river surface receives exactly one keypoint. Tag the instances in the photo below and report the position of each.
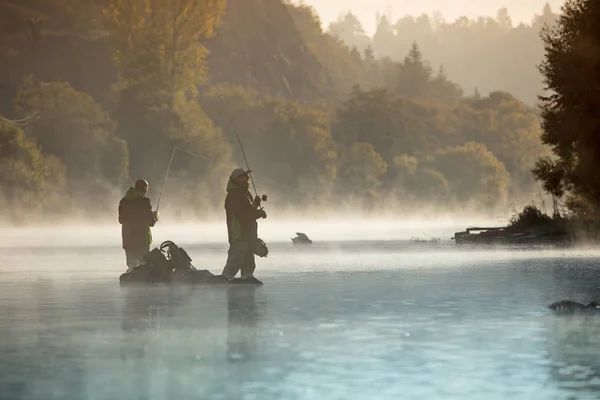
(350, 319)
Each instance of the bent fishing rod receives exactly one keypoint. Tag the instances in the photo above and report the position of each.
(178, 149)
(166, 176)
(264, 196)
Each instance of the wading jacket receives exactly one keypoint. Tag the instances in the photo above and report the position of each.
(136, 216)
(241, 217)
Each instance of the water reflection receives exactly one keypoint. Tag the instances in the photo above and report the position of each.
(145, 305)
(38, 359)
(242, 323)
(380, 325)
(148, 314)
(574, 352)
(573, 342)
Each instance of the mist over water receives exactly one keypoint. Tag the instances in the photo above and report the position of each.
(362, 313)
(278, 228)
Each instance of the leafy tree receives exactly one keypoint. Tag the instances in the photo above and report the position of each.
(327, 112)
(362, 172)
(199, 181)
(157, 49)
(530, 217)
(74, 128)
(286, 140)
(146, 118)
(415, 183)
(510, 130)
(160, 40)
(475, 177)
(392, 124)
(300, 139)
(30, 181)
(570, 111)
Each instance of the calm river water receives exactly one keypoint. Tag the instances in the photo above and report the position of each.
(353, 319)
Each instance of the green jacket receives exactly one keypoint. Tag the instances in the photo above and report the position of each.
(136, 216)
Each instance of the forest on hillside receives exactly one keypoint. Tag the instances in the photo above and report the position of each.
(487, 53)
(96, 93)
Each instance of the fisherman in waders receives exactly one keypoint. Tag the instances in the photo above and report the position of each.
(137, 217)
(242, 227)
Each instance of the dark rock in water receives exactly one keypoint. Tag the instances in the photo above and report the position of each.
(568, 307)
(301, 238)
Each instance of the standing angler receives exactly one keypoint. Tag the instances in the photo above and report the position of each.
(242, 227)
(137, 217)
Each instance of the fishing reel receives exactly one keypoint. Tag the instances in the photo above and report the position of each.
(262, 198)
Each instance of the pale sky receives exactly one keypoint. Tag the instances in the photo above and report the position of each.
(366, 10)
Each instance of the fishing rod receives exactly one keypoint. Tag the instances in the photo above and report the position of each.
(228, 166)
(166, 176)
(264, 196)
(176, 149)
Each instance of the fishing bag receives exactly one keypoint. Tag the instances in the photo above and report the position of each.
(261, 249)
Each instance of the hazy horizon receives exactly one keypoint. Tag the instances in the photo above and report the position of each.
(366, 10)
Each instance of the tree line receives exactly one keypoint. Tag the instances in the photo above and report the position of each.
(336, 127)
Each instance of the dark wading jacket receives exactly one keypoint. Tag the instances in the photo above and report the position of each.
(241, 217)
(136, 216)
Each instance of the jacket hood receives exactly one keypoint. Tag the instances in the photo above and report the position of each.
(133, 193)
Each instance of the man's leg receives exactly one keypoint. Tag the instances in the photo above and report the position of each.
(236, 257)
(141, 252)
(249, 263)
(134, 256)
(131, 257)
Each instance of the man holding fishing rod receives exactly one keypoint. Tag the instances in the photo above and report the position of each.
(137, 217)
(242, 213)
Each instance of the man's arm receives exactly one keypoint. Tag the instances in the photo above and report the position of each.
(151, 216)
(258, 211)
(242, 209)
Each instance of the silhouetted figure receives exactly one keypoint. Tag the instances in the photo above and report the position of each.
(137, 217)
(242, 227)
